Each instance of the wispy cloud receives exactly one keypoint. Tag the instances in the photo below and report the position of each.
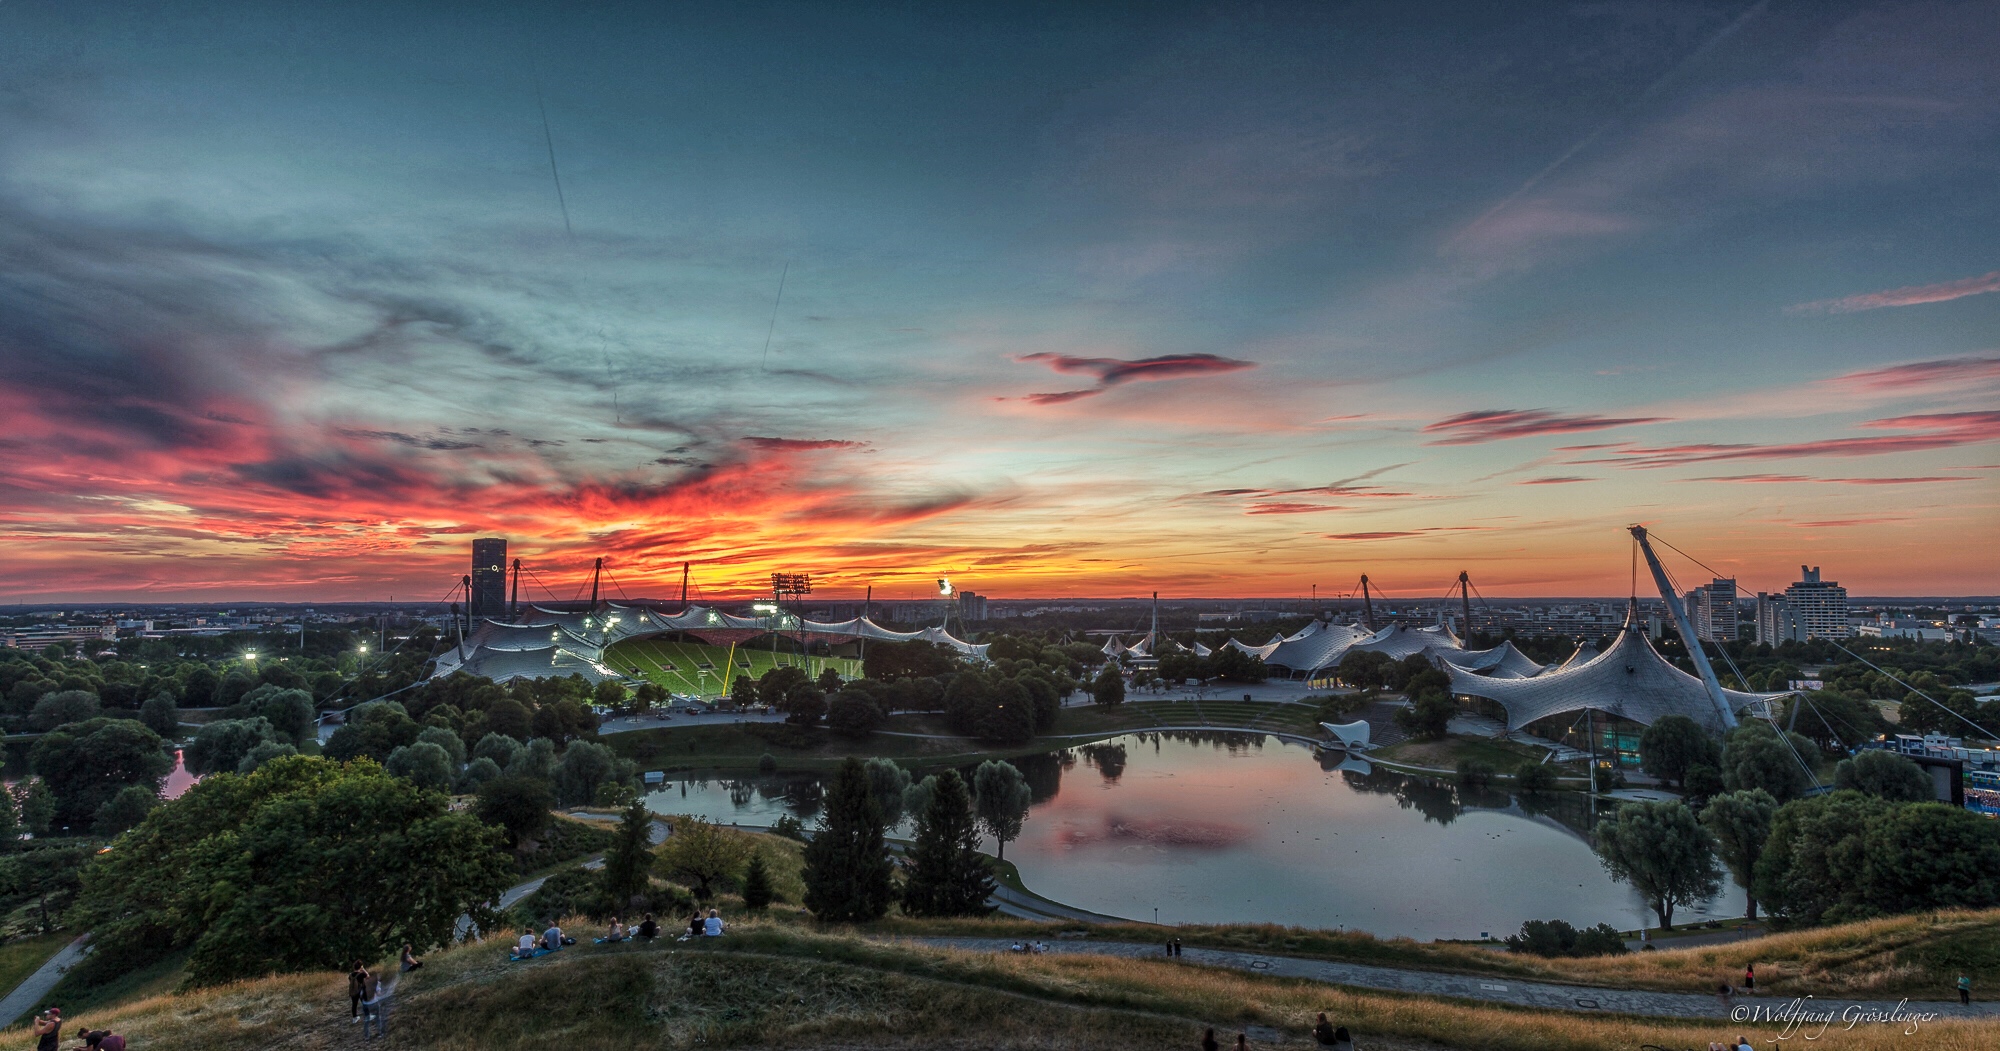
(1912, 295)
(1756, 479)
(1940, 430)
(1111, 372)
(1918, 374)
(802, 444)
(1473, 428)
(1566, 479)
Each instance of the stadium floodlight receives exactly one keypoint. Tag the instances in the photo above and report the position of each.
(250, 656)
(791, 584)
(944, 586)
(764, 607)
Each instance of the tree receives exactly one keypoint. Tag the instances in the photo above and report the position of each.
(1001, 797)
(1533, 776)
(1703, 783)
(1661, 850)
(1885, 775)
(374, 730)
(285, 870)
(608, 694)
(124, 810)
(161, 715)
(829, 680)
(221, 745)
(757, 891)
(888, 781)
(38, 808)
(1428, 718)
(537, 761)
(1673, 745)
(775, 686)
(648, 696)
(520, 805)
(1755, 756)
(1810, 869)
(10, 820)
(510, 718)
(453, 745)
(499, 748)
(1739, 823)
(702, 854)
(947, 875)
(803, 704)
(893, 661)
(628, 861)
(847, 864)
(853, 714)
(264, 753)
(477, 773)
(1930, 856)
(423, 763)
(584, 768)
(1109, 686)
(62, 707)
(290, 712)
(84, 764)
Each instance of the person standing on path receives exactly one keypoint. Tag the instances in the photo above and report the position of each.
(1208, 1040)
(1965, 990)
(357, 990)
(1750, 979)
(1242, 1042)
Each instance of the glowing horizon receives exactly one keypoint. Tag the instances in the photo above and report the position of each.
(290, 307)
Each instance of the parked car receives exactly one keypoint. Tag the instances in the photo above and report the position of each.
(692, 710)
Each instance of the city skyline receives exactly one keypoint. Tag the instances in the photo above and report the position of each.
(294, 303)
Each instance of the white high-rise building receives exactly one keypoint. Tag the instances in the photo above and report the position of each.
(1776, 622)
(1712, 607)
(1819, 607)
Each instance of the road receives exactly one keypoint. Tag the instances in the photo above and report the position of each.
(37, 985)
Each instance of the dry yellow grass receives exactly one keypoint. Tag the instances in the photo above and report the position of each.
(777, 984)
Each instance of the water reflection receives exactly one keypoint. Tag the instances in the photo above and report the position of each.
(1213, 827)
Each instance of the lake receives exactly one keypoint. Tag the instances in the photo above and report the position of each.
(1247, 828)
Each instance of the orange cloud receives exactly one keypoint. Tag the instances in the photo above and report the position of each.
(1492, 425)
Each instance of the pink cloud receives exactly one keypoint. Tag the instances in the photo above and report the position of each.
(1473, 428)
(1938, 430)
(1913, 295)
(1922, 374)
(1785, 478)
(1566, 479)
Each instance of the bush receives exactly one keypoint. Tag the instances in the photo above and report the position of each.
(1532, 776)
(767, 763)
(789, 827)
(1558, 938)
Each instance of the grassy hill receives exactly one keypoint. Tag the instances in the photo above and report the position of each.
(783, 982)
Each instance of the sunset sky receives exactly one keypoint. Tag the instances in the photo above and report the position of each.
(1077, 299)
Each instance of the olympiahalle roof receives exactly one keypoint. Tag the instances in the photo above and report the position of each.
(1629, 680)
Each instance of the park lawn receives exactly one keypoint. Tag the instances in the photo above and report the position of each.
(23, 956)
(774, 983)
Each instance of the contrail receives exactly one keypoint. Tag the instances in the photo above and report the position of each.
(1653, 89)
(774, 313)
(549, 140)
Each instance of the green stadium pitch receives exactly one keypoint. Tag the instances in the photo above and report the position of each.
(700, 670)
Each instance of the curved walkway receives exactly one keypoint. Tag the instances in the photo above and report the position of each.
(1513, 992)
(37, 985)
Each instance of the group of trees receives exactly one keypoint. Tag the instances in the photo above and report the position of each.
(1873, 846)
(848, 871)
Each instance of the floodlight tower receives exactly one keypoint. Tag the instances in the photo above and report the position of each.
(794, 584)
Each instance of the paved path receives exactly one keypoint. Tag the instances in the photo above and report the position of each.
(37, 985)
(1543, 995)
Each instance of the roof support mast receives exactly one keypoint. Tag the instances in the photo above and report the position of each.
(514, 606)
(1367, 604)
(1465, 593)
(595, 572)
(1686, 628)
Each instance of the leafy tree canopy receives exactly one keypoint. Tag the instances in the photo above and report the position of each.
(85, 764)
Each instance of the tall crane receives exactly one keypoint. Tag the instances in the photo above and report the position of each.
(1686, 628)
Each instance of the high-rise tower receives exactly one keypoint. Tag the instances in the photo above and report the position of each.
(489, 578)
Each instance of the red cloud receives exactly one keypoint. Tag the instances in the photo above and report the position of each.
(1111, 372)
(1912, 295)
(1473, 428)
(1375, 536)
(1938, 430)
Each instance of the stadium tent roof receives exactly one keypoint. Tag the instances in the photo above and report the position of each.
(575, 640)
(1201, 650)
(1584, 652)
(1255, 651)
(1500, 662)
(1630, 680)
(1320, 645)
(1112, 647)
(1397, 641)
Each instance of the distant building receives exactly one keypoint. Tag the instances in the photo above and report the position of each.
(489, 578)
(1776, 620)
(971, 606)
(1820, 606)
(1712, 607)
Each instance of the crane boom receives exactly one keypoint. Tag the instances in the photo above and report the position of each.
(1686, 629)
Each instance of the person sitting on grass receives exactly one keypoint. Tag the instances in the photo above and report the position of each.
(649, 928)
(616, 932)
(410, 961)
(712, 927)
(525, 948)
(552, 939)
